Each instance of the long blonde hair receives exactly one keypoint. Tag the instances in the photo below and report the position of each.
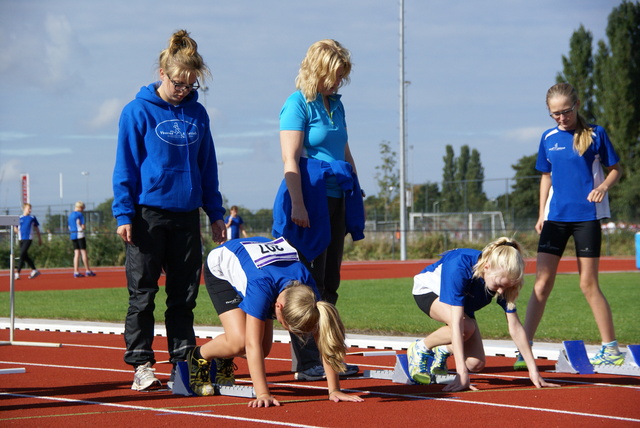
(304, 314)
(583, 134)
(320, 65)
(504, 254)
(181, 58)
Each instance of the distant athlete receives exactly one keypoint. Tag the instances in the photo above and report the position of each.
(76, 230)
(251, 282)
(28, 225)
(451, 290)
(235, 224)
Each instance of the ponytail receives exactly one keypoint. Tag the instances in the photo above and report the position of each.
(331, 337)
(304, 314)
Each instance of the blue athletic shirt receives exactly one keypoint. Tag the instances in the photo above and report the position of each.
(76, 219)
(235, 226)
(325, 134)
(25, 230)
(573, 177)
(452, 279)
(259, 287)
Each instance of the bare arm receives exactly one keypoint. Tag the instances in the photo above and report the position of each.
(519, 336)
(462, 380)
(255, 359)
(333, 385)
(545, 188)
(597, 194)
(291, 144)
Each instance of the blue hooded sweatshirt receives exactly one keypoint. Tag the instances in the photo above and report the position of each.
(165, 158)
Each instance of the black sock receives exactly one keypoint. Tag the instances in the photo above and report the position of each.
(197, 354)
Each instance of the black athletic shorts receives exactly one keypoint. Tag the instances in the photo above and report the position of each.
(223, 296)
(425, 301)
(79, 244)
(587, 236)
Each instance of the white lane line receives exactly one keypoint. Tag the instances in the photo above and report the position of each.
(160, 409)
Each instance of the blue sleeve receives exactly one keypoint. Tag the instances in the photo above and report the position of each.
(126, 173)
(293, 116)
(542, 163)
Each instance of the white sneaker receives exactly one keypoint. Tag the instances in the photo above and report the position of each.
(16, 275)
(34, 273)
(145, 379)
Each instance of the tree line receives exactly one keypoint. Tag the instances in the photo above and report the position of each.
(608, 84)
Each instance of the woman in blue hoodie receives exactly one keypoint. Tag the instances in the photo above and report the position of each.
(165, 171)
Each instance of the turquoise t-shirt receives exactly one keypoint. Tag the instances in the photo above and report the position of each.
(325, 133)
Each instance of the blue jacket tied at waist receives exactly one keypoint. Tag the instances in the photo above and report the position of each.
(312, 241)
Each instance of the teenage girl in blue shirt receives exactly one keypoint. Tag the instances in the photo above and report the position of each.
(573, 199)
(251, 282)
(450, 291)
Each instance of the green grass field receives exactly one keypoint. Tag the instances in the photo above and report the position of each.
(384, 307)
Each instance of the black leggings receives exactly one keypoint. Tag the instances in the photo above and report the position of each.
(24, 255)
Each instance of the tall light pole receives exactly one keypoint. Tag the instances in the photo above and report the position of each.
(403, 179)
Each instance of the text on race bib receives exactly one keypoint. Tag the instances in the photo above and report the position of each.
(265, 253)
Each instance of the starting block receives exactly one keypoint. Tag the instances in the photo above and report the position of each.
(181, 384)
(573, 359)
(400, 373)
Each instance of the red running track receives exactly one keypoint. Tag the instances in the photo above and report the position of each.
(85, 383)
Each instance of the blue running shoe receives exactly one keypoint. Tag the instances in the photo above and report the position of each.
(439, 366)
(520, 364)
(607, 357)
(419, 362)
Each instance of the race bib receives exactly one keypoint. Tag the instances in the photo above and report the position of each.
(265, 253)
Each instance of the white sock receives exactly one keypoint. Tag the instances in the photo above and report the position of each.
(421, 347)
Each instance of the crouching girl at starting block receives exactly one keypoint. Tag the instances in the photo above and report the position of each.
(450, 291)
(250, 282)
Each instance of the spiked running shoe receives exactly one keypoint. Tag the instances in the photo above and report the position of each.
(605, 357)
(419, 364)
(520, 364)
(225, 369)
(439, 366)
(199, 375)
(145, 379)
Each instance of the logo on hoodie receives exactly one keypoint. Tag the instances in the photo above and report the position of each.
(177, 132)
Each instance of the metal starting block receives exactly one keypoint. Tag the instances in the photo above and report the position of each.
(573, 359)
(400, 373)
(181, 384)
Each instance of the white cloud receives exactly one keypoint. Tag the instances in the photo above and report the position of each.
(35, 151)
(527, 135)
(108, 113)
(10, 171)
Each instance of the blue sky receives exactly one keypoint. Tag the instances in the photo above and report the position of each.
(478, 74)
